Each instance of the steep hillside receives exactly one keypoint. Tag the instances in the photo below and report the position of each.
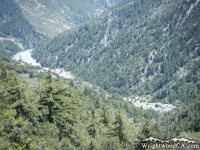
(54, 16)
(8, 48)
(184, 121)
(13, 24)
(43, 112)
(142, 48)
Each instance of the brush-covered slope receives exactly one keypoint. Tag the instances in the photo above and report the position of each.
(54, 16)
(13, 24)
(142, 48)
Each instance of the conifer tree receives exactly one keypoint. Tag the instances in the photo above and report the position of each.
(92, 127)
(105, 116)
(119, 129)
(12, 93)
(94, 145)
(3, 83)
(146, 130)
(46, 101)
(59, 104)
(50, 101)
(14, 129)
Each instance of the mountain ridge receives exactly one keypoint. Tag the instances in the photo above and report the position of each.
(55, 16)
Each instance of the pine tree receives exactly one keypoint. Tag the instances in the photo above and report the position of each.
(12, 92)
(50, 101)
(146, 129)
(92, 127)
(125, 131)
(105, 116)
(14, 128)
(94, 145)
(59, 104)
(3, 84)
(119, 129)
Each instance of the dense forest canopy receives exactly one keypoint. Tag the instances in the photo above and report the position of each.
(57, 112)
(72, 116)
(144, 51)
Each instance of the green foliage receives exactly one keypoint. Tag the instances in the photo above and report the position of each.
(87, 91)
(15, 127)
(136, 49)
(105, 116)
(13, 24)
(146, 131)
(8, 48)
(183, 119)
(56, 116)
(133, 51)
(119, 129)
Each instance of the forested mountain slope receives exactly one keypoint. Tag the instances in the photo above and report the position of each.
(182, 122)
(144, 47)
(54, 16)
(8, 48)
(14, 25)
(56, 114)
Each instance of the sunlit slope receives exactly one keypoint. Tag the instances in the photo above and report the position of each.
(142, 48)
(54, 16)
